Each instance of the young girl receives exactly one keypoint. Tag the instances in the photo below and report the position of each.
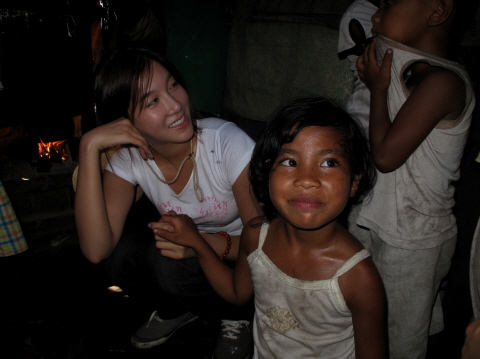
(317, 292)
(199, 168)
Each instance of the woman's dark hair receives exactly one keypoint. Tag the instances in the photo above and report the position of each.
(283, 128)
(121, 79)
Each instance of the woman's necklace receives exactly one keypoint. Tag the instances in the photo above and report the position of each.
(196, 186)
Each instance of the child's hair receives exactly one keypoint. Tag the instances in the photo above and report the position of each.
(283, 128)
(122, 79)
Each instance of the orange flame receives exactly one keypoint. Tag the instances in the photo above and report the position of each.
(52, 149)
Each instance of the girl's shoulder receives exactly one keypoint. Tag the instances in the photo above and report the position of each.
(251, 233)
(363, 274)
(348, 245)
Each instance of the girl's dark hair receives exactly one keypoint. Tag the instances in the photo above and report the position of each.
(121, 79)
(283, 128)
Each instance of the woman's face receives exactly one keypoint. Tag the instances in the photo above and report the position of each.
(163, 114)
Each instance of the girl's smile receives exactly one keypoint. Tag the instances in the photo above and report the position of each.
(310, 180)
(306, 202)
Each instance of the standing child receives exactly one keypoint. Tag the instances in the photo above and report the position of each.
(420, 111)
(317, 292)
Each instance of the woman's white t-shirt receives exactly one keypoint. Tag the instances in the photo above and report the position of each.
(223, 152)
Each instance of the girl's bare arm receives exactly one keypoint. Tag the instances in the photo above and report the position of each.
(364, 294)
(235, 286)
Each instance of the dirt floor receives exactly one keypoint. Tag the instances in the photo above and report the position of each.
(57, 305)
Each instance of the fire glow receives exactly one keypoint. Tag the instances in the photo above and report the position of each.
(54, 151)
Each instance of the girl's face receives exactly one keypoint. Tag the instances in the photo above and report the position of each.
(163, 114)
(402, 20)
(310, 180)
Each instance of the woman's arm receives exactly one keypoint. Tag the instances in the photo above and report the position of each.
(235, 286)
(439, 94)
(364, 294)
(248, 207)
(247, 204)
(101, 208)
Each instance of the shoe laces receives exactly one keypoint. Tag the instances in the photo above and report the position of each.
(231, 328)
(154, 316)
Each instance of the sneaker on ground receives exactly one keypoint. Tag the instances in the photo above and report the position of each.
(235, 340)
(156, 330)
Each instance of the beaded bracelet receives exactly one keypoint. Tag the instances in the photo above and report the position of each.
(229, 244)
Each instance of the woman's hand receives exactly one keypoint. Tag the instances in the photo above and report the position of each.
(118, 132)
(376, 77)
(175, 234)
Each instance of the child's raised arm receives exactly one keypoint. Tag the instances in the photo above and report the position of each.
(364, 294)
(435, 95)
(235, 286)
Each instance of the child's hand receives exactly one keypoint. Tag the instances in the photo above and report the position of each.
(376, 77)
(471, 347)
(118, 132)
(174, 234)
(167, 248)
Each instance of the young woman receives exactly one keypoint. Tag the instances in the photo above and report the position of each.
(198, 168)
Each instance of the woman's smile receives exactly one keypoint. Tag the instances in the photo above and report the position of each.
(179, 124)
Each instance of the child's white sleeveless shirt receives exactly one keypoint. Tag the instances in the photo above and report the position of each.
(411, 207)
(296, 318)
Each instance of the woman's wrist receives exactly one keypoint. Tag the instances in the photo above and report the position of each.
(88, 149)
